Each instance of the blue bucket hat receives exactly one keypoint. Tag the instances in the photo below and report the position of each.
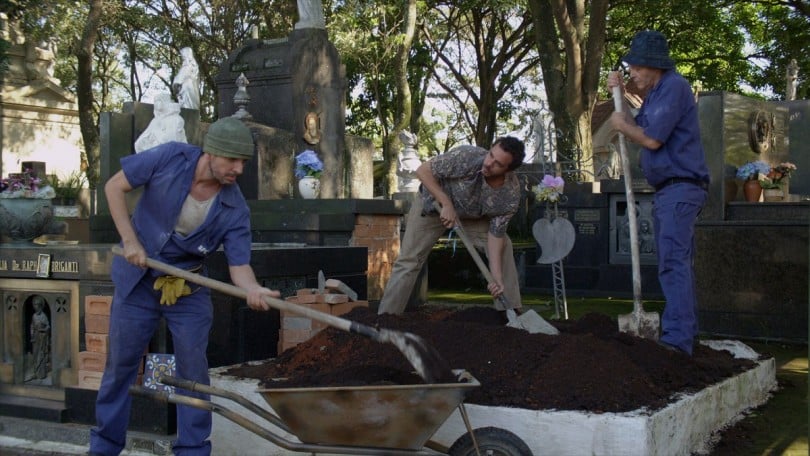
(649, 48)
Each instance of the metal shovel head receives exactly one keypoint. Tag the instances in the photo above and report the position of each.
(530, 321)
(641, 324)
(427, 361)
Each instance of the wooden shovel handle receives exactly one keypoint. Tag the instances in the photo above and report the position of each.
(276, 303)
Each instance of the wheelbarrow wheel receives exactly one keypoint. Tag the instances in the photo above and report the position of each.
(492, 441)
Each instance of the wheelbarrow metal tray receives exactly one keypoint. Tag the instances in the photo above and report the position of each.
(384, 416)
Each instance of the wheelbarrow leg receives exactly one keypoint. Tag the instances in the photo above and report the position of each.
(463, 411)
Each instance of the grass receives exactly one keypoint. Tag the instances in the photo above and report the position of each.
(779, 427)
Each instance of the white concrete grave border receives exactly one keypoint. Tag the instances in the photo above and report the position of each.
(682, 428)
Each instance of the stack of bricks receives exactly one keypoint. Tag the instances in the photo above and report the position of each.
(97, 341)
(380, 234)
(296, 328)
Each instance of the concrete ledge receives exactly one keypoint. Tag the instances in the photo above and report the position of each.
(682, 428)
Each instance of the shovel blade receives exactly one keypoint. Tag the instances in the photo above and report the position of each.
(530, 321)
(641, 324)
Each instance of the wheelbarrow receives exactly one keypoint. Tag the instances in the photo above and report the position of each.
(379, 420)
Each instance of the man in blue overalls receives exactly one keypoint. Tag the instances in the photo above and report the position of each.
(673, 162)
(189, 207)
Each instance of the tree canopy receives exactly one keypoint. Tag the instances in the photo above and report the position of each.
(450, 71)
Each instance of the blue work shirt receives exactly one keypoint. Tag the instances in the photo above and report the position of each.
(166, 172)
(669, 115)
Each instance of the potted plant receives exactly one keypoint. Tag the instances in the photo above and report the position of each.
(774, 183)
(68, 189)
(751, 173)
(308, 169)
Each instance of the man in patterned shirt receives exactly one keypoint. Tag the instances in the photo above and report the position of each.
(478, 188)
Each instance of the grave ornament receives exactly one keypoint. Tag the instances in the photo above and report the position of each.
(187, 82)
(166, 125)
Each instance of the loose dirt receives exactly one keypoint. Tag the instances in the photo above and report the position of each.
(589, 366)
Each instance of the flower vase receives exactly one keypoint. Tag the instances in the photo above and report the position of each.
(752, 190)
(309, 187)
(773, 194)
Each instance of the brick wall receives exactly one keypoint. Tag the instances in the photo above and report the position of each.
(296, 328)
(97, 341)
(380, 234)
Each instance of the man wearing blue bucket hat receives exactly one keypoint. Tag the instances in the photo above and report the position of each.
(673, 161)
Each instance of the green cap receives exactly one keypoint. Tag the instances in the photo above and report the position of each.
(229, 137)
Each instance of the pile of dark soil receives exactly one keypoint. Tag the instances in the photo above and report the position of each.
(589, 366)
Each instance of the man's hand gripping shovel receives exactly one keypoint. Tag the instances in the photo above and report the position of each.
(529, 321)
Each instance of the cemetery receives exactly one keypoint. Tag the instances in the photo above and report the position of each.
(333, 251)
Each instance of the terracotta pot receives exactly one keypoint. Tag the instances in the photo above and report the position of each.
(752, 190)
(309, 187)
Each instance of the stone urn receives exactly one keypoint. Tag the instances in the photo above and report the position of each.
(23, 219)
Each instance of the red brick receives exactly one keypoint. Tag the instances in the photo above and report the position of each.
(99, 324)
(98, 343)
(92, 361)
(97, 305)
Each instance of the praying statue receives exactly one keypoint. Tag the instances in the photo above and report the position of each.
(40, 338)
(310, 15)
(166, 125)
(187, 82)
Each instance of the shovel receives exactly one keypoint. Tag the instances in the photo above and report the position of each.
(638, 323)
(529, 320)
(428, 363)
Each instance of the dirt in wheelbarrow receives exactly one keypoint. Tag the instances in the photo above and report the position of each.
(589, 366)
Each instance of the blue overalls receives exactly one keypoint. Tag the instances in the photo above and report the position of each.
(679, 173)
(166, 173)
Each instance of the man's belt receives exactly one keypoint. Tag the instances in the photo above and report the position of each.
(682, 180)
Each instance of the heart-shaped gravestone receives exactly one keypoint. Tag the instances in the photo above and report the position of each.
(556, 238)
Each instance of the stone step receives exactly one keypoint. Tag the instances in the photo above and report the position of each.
(33, 408)
(28, 433)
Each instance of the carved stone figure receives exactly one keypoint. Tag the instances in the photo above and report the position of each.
(40, 61)
(167, 125)
(310, 14)
(312, 133)
(187, 82)
(407, 163)
(792, 80)
(40, 338)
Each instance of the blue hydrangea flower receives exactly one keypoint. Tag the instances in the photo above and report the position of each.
(307, 163)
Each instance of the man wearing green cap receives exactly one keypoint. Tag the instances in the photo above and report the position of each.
(189, 207)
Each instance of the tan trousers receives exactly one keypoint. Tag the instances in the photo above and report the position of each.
(421, 233)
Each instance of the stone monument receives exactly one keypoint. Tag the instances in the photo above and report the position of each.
(166, 126)
(310, 14)
(407, 163)
(187, 82)
(37, 116)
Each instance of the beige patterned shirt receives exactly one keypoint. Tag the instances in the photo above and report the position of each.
(459, 173)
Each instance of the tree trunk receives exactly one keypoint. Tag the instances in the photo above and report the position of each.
(402, 98)
(571, 77)
(88, 122)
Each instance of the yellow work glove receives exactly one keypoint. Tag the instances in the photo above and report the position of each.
(171, 288)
